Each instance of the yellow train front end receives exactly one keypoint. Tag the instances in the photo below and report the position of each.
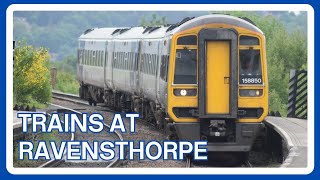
(218, 85)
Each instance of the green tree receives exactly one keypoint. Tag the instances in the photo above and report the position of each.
(31, 77)
(155, 20)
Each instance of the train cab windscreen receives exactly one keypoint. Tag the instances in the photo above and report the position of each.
(186, 66)
(250, 67)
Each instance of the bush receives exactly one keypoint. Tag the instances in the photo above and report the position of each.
(31, 77)
(67, 83)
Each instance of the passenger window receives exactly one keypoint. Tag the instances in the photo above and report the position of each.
(127, 61)
(82, 56)
(114, 59)
(93, 58)
(162, 67)
(87, 57)
(186, 66)
(105, 58)
(150, 64)
(145, 63)
(120, 60)
(98, 58)
(250, 67)
(167, 67)
(131, 61)
(155, 64)
(101, 58)
(123, 61)
(79, 56)
(136, 59)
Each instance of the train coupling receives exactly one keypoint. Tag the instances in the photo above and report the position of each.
(217, 128)
(171, 127)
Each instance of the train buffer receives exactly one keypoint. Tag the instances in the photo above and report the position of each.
(295, 138)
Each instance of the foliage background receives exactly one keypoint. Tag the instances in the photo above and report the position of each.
(31, 78)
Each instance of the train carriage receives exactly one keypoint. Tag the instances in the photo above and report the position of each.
(203, 78)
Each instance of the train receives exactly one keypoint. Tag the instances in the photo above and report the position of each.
(202, 78)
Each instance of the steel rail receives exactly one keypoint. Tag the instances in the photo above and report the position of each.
(54, 162)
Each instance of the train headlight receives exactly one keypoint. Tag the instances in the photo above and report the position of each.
(185, 92)
(251, 92)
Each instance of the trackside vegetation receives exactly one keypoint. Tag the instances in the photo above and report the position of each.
(31, 78)
(66, 75)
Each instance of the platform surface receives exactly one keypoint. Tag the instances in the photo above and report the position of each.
(295, 134)
(17, 122)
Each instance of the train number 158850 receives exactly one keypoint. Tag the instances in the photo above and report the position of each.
(250, 80)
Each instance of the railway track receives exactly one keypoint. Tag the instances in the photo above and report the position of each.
(76, 99)
(188, 163)
(56, 163)
(68, 97)
(248, 164)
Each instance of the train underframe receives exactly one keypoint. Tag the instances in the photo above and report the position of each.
(124, 102)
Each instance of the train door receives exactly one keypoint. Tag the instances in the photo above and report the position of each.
(80, 64)
(108, 63)
(105, 65)
(135, 69)
(81, 59)
(159, 55)
(139, 63)
(111, 63)
(218, 73)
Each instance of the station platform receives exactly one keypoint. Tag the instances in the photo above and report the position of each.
(294, 133)
(17, 125)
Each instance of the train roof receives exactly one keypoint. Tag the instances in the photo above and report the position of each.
(168, 30)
